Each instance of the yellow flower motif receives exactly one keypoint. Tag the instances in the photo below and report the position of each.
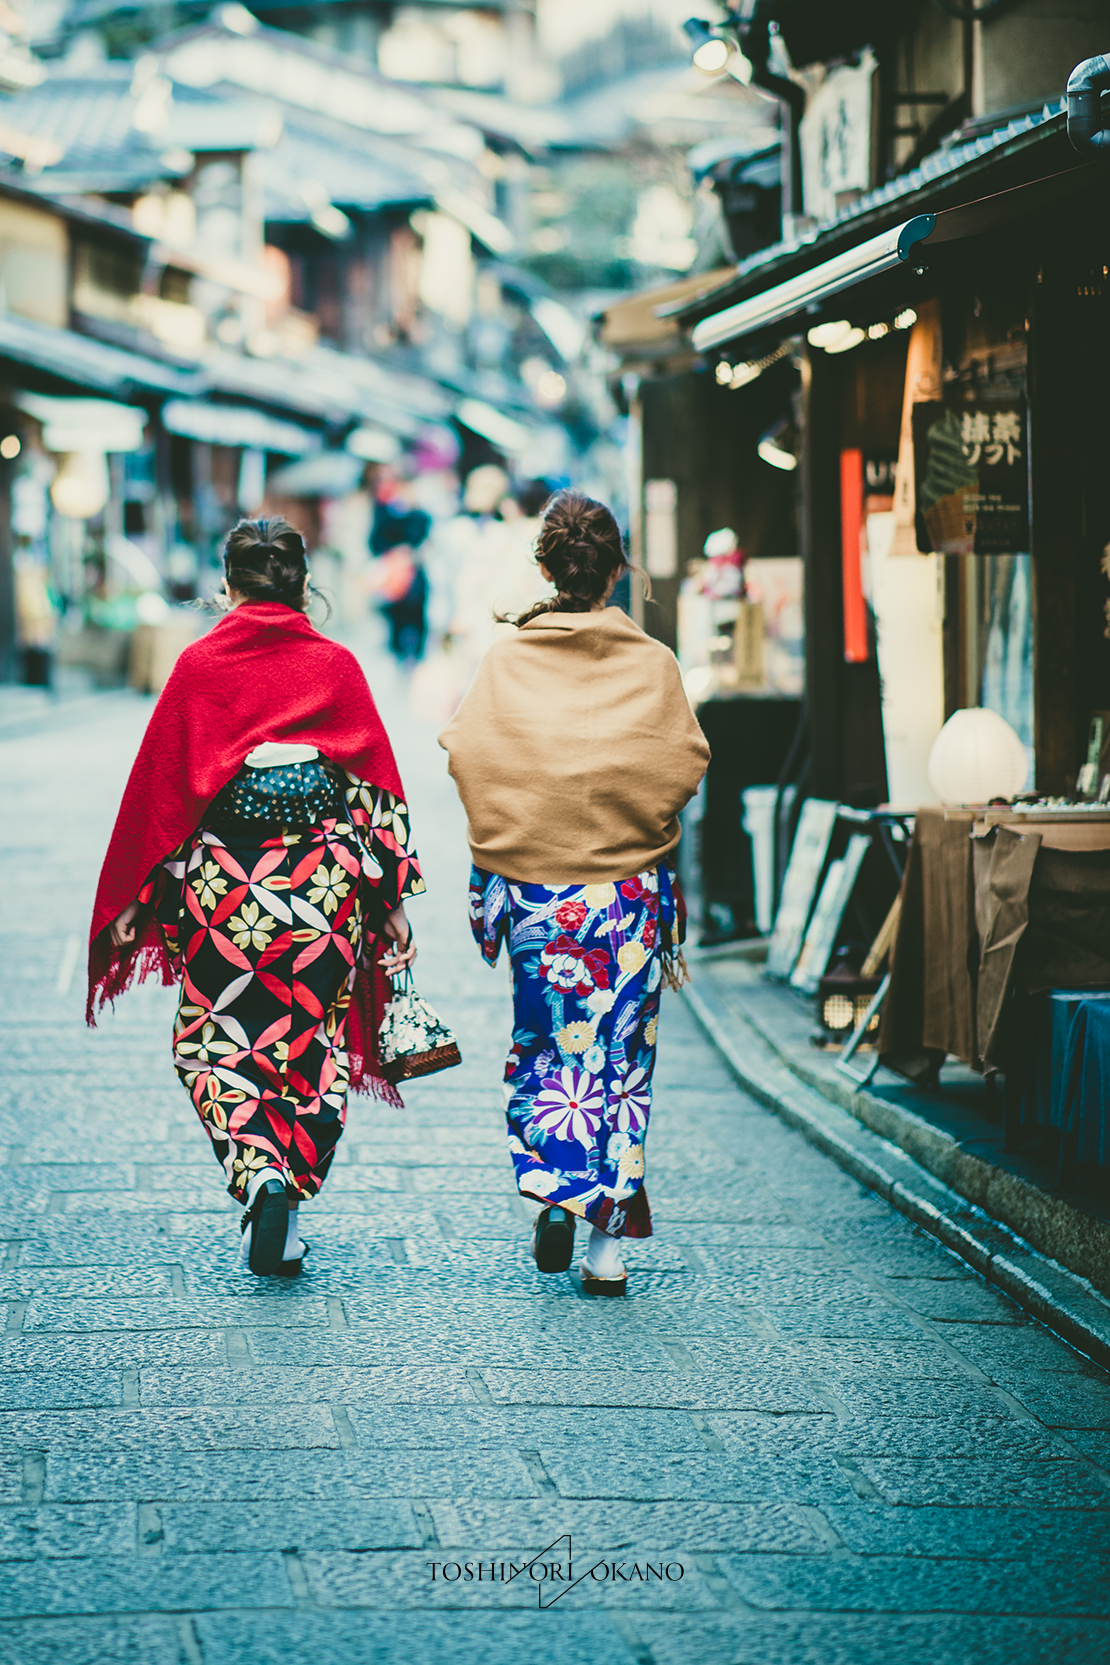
(575, 1037)
(208, 1049)
(651, 1030)
(630, 1162)
(211, 884)
(250, 929)
(599, 896)
(329, 888)
(631, 956)
(248, 1163)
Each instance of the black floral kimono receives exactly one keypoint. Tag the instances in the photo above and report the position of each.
(269, 933)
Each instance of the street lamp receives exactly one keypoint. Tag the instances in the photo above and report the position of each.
(711, 50)
(743, 45)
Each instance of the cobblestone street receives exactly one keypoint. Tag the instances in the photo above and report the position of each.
(834, 1439)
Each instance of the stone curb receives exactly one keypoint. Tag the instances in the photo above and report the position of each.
(1061, 1300)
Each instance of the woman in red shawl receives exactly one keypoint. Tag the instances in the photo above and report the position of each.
(261, 856)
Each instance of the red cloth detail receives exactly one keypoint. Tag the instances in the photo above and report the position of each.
(263, 672)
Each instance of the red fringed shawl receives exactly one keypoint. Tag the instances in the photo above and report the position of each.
(262, 673)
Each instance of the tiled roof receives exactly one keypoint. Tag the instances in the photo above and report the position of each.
(92, 118)
(866, 214)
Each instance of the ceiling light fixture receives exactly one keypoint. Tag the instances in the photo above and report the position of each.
(827, 335)
(847, 342)
(778, 446)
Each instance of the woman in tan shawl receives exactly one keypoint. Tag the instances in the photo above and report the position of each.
(573, 753)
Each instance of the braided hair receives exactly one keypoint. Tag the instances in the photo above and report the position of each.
(580, 545)
(266, 560)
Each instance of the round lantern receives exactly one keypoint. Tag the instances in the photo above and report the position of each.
(976, 757)
(80, 487)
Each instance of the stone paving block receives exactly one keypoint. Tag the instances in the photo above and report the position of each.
(459, 1638)
(193, 1429)
(1093, 1443)
(927, 1437)
(858, 1639)
(63, 1241)
(933, 1482)
(818, 1356)
(423, 1347)
(101, 1282)
(112, 1641)
(779, 1391)
(111, 1352)
(971, 1534)
(288, 1309)
(538, 1425)
(289, 1524)
(11, 1477)
(957, 1301)
(47, 1389)
(885, 1584)
(158, 1584)
(99, 1177)
(304, 1385)
(1067, 1403)
(595, 1471)
(398, 1581)
(906, 1400)
(836, 1322)
(57, 1530)
(417, 1427)
(23, 1197)
(258, 1475)
(635, 1528)
(1015, 1351)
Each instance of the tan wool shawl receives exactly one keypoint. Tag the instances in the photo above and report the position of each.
(574, 751)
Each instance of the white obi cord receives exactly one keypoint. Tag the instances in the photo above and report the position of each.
(273, 754)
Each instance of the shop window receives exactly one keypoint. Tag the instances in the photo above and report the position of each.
(1006, 634)
(34, 259)
(105, 282)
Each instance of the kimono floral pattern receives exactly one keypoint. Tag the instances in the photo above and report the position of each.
(269, 933)
(586, 969)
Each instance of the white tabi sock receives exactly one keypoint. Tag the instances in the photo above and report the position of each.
(259, 1179)
(603, 1256)
(294, 1248)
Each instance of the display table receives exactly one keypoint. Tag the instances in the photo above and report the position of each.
(992, 902)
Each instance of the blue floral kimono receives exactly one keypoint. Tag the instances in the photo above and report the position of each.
(587, 963)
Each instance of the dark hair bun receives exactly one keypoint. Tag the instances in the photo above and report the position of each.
(266, 560)
(580, 545)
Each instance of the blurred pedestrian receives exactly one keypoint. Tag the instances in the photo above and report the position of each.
(398, 531)
(573, 753)
(515, 581)
(262, 858)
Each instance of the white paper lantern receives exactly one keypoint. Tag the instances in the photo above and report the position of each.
(80, 487)
(976, 757)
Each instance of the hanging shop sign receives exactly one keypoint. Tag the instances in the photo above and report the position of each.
(970, 477)
(837, 138)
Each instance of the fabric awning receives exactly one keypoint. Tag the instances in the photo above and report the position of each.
(237, 425)
(83, 362)
(636, 325)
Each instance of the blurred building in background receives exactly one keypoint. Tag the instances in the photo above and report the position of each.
(273, 258)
